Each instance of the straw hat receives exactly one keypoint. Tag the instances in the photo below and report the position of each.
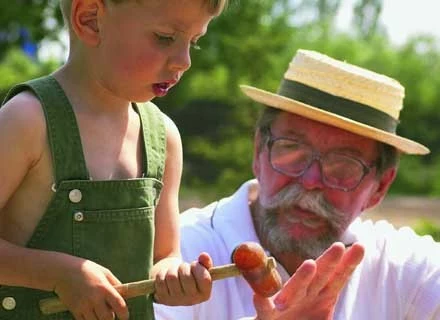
(321, 88)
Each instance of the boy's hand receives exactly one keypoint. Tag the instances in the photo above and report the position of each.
(312, 292)
(183, 283)
(87, 290)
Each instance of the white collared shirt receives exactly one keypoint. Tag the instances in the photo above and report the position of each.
(399, 277)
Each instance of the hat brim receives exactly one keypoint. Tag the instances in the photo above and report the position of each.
(280, 102)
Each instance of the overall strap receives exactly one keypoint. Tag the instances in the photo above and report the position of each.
(62, 129)
(154, 134)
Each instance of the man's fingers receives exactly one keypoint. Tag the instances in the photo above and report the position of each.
(314, 287)
(326, 265)
(296, 287)
(263, 306)
(351, 259)
(355, 254)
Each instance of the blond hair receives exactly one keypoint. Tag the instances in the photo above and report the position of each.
(215, 7)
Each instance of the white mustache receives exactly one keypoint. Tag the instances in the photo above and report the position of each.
(312, 201)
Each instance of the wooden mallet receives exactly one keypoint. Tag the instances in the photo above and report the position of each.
(256, 268)
(139, 288)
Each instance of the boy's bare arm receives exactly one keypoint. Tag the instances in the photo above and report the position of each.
(22, 143)
(177, 282)
(166, 242)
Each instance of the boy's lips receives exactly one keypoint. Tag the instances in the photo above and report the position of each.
(161, 89)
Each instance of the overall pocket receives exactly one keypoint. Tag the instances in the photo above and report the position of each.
(120, 240)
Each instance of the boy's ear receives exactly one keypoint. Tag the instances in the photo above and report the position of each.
(84, 18)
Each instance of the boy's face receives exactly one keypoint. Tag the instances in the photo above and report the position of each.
(144, 47)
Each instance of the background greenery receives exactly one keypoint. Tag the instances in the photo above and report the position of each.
(252, 43)
(427, 227)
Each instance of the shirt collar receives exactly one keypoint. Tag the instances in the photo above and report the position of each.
(232, 218)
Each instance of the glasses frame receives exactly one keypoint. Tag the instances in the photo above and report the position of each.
(316, 156)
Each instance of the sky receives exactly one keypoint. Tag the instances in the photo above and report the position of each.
(402, 18)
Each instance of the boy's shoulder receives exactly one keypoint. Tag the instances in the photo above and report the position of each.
(25, 97)
(24, 109)
(23, 125)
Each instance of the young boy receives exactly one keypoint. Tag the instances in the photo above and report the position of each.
(82, 166)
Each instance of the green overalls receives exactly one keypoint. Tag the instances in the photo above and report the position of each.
(108, 222)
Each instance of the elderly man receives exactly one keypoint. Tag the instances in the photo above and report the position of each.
(326, 149)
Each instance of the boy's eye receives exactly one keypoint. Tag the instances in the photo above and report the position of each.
(167, 40)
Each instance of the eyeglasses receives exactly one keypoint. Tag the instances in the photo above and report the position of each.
(338, 171)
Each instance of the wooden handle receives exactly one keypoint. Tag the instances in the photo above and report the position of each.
(139, 288)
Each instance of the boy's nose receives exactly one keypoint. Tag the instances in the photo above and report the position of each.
(312, 177)
(181, 61)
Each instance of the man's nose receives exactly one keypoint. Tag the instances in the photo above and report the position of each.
(312, 178)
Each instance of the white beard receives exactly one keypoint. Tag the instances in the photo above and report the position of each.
(277, 236)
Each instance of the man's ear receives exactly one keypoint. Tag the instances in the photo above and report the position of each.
(384, 184)
(84, 19)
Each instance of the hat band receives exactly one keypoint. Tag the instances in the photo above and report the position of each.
(346, 108)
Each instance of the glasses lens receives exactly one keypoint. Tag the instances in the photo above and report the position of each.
(290, 157)
(341, 171)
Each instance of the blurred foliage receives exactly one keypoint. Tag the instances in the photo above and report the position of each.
(252, 43)
(426, 227)
(366, 18)
(23, 22)
(16, 67)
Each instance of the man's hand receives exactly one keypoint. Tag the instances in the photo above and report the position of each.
(312, 292)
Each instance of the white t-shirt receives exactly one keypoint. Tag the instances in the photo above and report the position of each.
(399, 277)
